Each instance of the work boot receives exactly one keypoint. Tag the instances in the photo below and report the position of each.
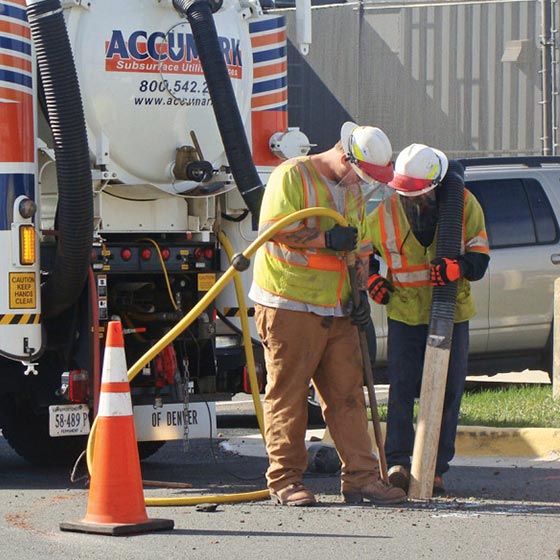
(295, 494)
(378, 493)
(399, 477)
(439, 487)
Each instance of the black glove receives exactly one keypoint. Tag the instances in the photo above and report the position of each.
(360, 315)
(341, 238)
(379, 289)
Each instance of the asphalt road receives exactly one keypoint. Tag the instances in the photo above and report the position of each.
(499, 509)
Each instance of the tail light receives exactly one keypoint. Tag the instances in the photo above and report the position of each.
(75, 384)
(260, 378)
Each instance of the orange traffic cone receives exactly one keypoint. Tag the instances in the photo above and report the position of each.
(116, 498)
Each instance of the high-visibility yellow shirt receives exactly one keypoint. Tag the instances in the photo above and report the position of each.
(408, 261)
(315, 276)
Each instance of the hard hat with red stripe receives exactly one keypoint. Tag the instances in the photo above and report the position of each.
(418, 170)
(368, 151)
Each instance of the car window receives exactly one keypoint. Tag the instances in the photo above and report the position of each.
(517, 212)
(545, 224)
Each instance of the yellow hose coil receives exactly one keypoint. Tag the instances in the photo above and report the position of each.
(186, 321)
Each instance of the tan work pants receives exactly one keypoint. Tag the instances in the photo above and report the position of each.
(299, 347)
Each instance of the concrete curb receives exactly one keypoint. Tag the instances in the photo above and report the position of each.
(480, 441)
(473, 443)
(507, 442)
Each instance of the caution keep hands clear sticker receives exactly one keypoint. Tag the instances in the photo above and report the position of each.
(22, 290)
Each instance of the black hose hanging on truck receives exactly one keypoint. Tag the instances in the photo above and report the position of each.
(230, 124)
(451, 197)
(66, 117)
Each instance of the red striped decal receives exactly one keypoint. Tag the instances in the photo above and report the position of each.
(269, 99)
(270, 70)
(12, 94)
(15, 29)
(264, 124)
(270, 39)
(17, 142)
(14, 61)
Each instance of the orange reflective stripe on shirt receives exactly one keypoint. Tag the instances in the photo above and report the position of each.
(263, 226)
(412, 279)
(391, 238)
(388, 236)
(479, 243)
(331, 263)
(310, 194)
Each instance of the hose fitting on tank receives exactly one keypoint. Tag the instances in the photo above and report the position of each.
(240, 262)
(228, 117)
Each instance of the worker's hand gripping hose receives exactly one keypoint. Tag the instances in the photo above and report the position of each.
(230, 273)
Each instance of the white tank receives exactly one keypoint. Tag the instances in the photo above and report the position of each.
(143, 88)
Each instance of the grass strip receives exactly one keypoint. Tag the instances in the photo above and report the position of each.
(512, 406)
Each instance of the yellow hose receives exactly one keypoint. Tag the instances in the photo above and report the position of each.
(245, 329)
(186, 321)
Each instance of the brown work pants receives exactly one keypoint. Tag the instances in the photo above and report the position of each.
(301, 346)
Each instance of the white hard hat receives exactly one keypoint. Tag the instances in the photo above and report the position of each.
(369, 152)
(418, 170)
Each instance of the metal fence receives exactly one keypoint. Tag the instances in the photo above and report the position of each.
(462, 76)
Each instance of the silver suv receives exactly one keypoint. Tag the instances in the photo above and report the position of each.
(521, 202)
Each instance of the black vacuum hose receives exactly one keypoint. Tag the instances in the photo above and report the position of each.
(230, 124)
(450, 232)
(65, 113)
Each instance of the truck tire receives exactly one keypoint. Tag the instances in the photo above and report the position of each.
(27, 433)
(148, 448)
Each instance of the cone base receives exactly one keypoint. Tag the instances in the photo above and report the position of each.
(116, 529)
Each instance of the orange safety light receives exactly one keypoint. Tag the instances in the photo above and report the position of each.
(27, 245)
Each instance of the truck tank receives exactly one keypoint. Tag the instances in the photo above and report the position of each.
(144, 89)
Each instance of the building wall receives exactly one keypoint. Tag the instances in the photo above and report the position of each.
(461, 76)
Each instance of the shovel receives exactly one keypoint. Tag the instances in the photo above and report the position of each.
(368, 372)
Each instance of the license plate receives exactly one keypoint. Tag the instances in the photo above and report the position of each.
(167, 422)
(68, 420)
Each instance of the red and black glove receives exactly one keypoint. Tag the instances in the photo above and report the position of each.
(443, 271)
(379, 289)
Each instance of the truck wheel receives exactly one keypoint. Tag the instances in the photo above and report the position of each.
(28, 435)
(148, 448)
(27, 432)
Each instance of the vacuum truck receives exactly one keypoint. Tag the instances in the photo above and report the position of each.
(132, 133)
